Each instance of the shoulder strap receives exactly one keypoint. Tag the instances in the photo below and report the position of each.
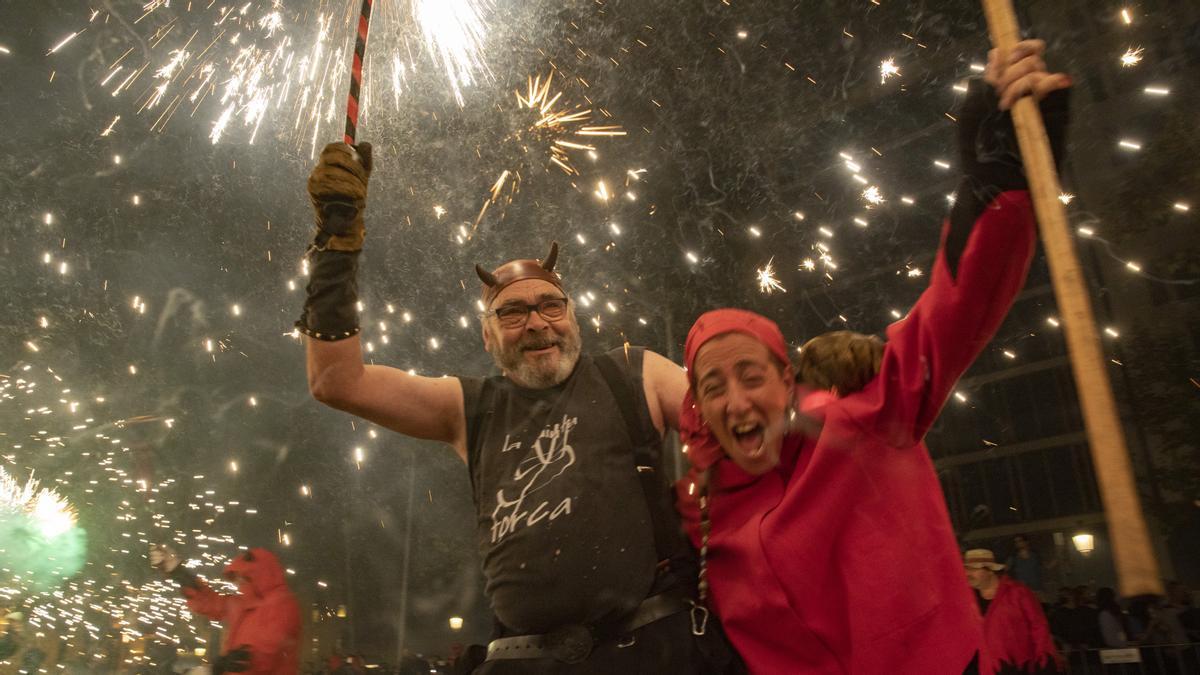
(476, 403)
(620, 381)
(647, 451)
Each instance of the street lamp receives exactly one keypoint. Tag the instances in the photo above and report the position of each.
(1084, 543)
(456, 623)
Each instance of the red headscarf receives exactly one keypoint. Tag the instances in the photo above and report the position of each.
(703, 448)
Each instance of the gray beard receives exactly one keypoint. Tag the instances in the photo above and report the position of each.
(540, 375)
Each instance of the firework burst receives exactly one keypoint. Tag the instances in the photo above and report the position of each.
(557, 127)
(767, 282)
(266, 65)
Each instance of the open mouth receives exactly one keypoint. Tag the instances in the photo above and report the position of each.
(749, 438)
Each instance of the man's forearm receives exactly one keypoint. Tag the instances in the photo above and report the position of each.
(333, 367)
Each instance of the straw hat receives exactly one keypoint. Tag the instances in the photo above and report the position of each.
(979, 558)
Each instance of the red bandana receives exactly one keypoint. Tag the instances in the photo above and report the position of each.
(703, 448)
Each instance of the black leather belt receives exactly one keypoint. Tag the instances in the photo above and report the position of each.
(573, 643)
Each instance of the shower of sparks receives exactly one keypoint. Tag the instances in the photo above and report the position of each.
(48, 509)
(74, 593)
(873, 195)
(454, 32)
(767, 283)
(560, 129)
(557, 126)
(887, 69)
(1066, 198)
(280, 69)
(1132, 57)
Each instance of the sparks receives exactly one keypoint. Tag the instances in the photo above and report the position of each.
(48, 511)
(1132, 57)
(557, 129)
(873, 195)
(767, 283)
(888, 68)
(63, 43)
(455, 32)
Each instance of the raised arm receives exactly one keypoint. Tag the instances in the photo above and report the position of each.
(986, 247)
(422, 407)
(201, 598)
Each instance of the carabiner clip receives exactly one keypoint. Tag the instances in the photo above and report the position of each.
(699, 619)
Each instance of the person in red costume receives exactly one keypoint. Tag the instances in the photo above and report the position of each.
(1014, 627)
(825, 542)
(261, 623)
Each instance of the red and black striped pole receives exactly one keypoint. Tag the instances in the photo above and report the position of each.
(360, 53)
(337, 217)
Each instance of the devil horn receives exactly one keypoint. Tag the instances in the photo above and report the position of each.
(485, 276)
(548, 265)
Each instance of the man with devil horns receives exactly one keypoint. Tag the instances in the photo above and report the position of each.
(586, 569)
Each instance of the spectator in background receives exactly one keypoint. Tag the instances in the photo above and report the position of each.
(1152, 624)
(1015, 630)
(261, 621)
(1024, 565)
(1114, 625)
(1074, 623)
(1179, 605)
(412, 664)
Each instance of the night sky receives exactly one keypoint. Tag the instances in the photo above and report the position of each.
(148, 371)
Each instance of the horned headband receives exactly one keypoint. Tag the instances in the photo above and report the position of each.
(518, 270)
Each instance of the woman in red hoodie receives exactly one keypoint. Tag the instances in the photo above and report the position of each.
(829, 549)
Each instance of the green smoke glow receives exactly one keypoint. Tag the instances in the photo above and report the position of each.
(41, 544)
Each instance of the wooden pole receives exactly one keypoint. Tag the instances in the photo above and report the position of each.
(1137, 570)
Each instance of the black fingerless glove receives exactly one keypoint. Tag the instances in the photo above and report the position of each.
(991, 158)
(331, 308)
(184, 577)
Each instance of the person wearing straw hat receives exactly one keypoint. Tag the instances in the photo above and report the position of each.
(825, 542)
(1016, 633)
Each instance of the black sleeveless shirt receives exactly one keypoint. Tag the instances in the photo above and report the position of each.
(563, 526)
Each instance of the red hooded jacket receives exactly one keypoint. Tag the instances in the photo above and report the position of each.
(264, 617)
(1017, 633)
(843, 559)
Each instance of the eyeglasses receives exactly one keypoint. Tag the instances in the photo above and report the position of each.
(516, 314)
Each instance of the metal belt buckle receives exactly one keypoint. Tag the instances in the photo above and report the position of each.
(570, 643)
